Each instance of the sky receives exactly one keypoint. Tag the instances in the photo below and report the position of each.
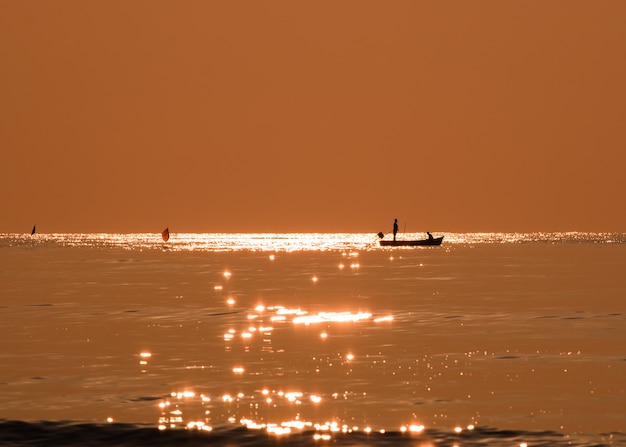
(312, 116)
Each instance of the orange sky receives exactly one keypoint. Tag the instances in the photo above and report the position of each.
(315, 116)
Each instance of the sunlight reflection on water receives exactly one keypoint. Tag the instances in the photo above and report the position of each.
(277, 410)
(290, 242)
(323, 332)
(186, 409)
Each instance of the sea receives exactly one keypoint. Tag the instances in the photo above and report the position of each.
(491, 339)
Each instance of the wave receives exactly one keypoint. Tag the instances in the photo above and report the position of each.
(65, 433)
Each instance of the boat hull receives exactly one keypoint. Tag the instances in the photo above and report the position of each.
(417, 243)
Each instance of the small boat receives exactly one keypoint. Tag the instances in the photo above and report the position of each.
(421, 242)
(165, 235)
(415, 243)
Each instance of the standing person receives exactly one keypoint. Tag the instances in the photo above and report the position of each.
(395, 228)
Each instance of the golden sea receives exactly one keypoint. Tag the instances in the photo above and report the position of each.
(310, 339)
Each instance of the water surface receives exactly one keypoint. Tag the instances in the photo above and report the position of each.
(490, 337)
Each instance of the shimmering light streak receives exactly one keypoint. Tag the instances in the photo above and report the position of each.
(184, 394)
(198, 425)
(336, 317)
(252, 425)
(280, 310)
(144, 356)
(275, 430)
(218, 242)
(297, 424)
(175, 419)
(300, 316)
(293, 396)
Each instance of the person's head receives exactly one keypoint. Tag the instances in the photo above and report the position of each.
(395, 220)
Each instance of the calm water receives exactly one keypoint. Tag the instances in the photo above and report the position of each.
(297, 339)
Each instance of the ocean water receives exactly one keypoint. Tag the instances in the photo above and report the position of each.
(312, 339)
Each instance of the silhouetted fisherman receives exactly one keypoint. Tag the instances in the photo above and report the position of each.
(395, 228)
(430, 236)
